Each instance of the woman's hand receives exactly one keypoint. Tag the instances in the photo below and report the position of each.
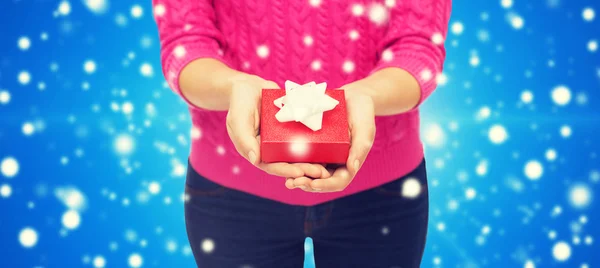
(361, 120)
(243, 121)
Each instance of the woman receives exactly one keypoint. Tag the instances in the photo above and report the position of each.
(218, 55)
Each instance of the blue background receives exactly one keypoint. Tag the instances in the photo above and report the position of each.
(69, 131)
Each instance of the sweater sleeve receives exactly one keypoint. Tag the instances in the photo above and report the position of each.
(414, 41)
(187, 31)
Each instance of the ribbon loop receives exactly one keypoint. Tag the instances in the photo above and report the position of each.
(304, 103)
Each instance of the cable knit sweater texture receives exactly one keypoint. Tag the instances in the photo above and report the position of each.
(331, 41)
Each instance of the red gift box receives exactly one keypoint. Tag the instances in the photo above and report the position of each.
(294, 142)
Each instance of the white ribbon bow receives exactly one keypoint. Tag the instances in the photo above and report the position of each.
(304, 103)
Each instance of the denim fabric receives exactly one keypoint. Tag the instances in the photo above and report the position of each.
(381, 227)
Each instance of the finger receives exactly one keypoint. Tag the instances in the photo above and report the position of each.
(235, 140)
(361, 119)
(331, 168)
(242, 125)
(242, 146)
(339, 181)
(303, 183)
(281, 169)
(289, 183)
(310, 170)
(325, 173)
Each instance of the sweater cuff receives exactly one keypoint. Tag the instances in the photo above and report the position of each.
(421, 68)
(176, 64)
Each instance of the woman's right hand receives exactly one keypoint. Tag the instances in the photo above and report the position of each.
(243, 121)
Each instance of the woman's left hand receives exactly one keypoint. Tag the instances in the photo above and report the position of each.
(361, 123)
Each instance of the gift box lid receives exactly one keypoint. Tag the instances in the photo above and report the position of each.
(335, 122)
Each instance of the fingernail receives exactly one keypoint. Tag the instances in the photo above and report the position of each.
(356, 164)
(252, 157)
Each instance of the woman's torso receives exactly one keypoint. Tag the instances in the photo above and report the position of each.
(335, 42)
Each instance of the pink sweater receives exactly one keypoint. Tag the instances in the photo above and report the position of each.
(331, 41)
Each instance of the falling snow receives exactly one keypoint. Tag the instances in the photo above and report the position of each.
(24, 77)
(565, 131)
(354, 34)
(137, 11)
(179, 51)
(561, 95)
(159, 10)
(89, 66)
(588, 14)
(5, 191)
(561, 251)
(527, 96)
(64, 8)
(411, 188)
(24, 43)
(146, 70)
(135, 260)
(457, 28)
(470, 193)
(9, 167)
(533, 170)
(434, 136)
(378, 14)
(124, 144)
(315, 65)
(498, 134)
(28, 237)
(208, 245)
(308, 40)
(315, 3)
(154, 188)
(483, 113)
(358, 10)
(262, 51)
(4, 97)
(71, 219)
(100, 140)
(551, 155)
(516, 21)
(580, 196)
(348, 66)
(592, 46)
(97, 6)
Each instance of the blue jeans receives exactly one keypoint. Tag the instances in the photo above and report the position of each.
(381, 227)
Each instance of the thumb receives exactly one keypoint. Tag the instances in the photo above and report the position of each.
(361, 119)
(241, 122)
(269, 85)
